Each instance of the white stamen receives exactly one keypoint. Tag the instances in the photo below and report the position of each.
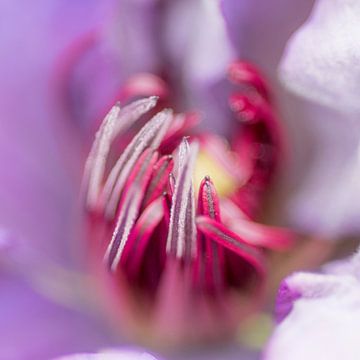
(150, 135)
(183, 204)
(115, 122)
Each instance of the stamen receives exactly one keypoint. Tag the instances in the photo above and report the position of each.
(140, 235)
(172, 182)
(219, 233)
(180, 127)
(182, 230)
(208, 200)
(162, 170)
(95, 164)
(115, 122)
(149, 136)
(260, 141)
(246, 110)
(129, 207)
(243, 73)
(211, 263)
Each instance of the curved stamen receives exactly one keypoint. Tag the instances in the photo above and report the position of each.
(129, 207)
(149, 136)
(211, 256)
(115, 122)
(219, 233)
(259, 141)
(182, 230)
(162, 170)
(140, 236)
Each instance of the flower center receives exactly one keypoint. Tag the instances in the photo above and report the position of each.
(164, 236)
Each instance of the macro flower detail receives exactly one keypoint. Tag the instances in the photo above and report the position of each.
(177, 249)
(169, 245)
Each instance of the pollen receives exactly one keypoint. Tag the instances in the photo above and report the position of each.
(206, 165)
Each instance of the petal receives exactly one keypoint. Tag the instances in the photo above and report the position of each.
(258, 37)
(33, 327)
(319, 316)
(208, 50)
(199, 55)
(133, 34)
(231, 352)
(113, 354)
(321, 59)
(94, 69)
(228, 352)
(320, 188)
(35, 189)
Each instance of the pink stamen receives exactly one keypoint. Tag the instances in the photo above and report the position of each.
(140, 236)
(182, 230)
(260, 141)
(243, 73)
(150, 135)
(115, 123)
(161, 172)
(210, 246)
(211, 256)
(130, 206)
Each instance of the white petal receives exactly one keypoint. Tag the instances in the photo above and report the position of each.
(321, 61)
(324, 187)
(199, 50)
(115, 354)
(321, 64)
(323, 320)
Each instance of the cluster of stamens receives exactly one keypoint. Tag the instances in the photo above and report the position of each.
(147, 203)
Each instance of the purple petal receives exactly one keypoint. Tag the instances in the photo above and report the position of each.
(256, 35)
(199, 54)
(204, 39)
(35, 189)
(100, 62)
(285, 301)
(134, 33)
(33, 327)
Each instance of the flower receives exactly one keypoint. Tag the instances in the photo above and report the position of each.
(180, 263)
(39, 185)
